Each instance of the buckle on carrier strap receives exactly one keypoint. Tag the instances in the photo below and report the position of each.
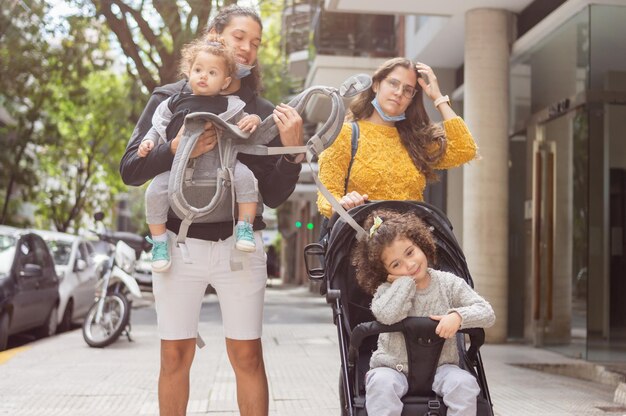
(433, 408)
(434, 405)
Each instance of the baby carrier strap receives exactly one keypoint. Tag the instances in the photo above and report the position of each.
(184, 170)
(322, 139)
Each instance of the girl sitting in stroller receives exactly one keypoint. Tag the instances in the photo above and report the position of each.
(392, 265)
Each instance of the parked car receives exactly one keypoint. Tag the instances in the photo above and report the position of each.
(29, 285)
(74, 262)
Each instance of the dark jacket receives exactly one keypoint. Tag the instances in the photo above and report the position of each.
(276, 176)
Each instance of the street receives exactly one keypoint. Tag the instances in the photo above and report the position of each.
(61, 375)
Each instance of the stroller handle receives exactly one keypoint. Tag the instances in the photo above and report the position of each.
(367, 329)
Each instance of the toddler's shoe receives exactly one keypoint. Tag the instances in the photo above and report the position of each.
(244, 237)
(160, 255)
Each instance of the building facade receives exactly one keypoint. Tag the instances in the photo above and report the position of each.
(542, 86)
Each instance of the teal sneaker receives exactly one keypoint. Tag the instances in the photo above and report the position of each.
(160, 255)
(244, 237)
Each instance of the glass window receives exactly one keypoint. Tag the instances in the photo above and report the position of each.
(87, 252)
(6, 242)
(89, 247)
(61, 251)
(41, 253)
(26, 252)
(6, 258)
(555, 69)
(608, 47)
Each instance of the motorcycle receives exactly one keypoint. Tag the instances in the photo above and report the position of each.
(109, 316)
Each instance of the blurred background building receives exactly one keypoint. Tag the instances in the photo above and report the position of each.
(542, 86)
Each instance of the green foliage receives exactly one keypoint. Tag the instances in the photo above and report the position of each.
(66, 111)
(92, 125)
(69, 117)
(23, 96)
(151, 34)
(276, 79)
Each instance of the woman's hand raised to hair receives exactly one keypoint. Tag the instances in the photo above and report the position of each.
(206, 142)
(428, 81)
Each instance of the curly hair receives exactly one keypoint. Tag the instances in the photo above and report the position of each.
(366, 255)
(222, 20)
(211, 44)
(425, 141)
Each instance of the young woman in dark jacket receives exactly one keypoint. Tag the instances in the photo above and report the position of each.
(179, 291)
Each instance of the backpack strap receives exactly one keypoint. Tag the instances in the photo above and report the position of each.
(360, 232)
(355, 145)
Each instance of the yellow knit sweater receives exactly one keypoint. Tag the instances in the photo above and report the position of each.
(382, 167)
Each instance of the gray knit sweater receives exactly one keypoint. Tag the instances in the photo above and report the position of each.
(446, 293)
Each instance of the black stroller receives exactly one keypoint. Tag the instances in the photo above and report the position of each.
(358, 330)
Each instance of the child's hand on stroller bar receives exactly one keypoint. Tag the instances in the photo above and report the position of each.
(448, 324)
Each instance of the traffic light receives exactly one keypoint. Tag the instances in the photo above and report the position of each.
(309, 225)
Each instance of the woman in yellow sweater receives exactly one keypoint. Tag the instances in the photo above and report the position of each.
(399, 148)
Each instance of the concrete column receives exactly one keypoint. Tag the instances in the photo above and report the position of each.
(485, 182)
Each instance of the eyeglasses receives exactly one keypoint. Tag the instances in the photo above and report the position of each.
(407, 90)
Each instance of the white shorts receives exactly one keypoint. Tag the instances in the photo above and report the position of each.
(178, 293)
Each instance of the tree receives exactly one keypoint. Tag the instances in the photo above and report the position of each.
(276, 78)
(23, 96)
(70, 116)
(82, 171)
(151, 35)
(152, 45)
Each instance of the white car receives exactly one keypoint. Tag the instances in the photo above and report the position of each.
(74, 263)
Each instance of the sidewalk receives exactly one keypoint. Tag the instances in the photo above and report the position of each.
(62, 376)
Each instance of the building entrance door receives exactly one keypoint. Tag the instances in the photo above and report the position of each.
(576, 252)
(559, 217)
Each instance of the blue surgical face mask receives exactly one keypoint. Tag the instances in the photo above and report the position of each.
(382, 114)
(243, 70)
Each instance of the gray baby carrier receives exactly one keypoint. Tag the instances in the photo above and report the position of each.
(198, 194)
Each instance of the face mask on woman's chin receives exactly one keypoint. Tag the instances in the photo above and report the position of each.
(385, 116)
(243, 70)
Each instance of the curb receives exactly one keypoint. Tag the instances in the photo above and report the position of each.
(587, 371)
(620, 394)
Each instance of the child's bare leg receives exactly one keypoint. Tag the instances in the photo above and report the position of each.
(247, 211)
(244, 237)
(157, 229)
